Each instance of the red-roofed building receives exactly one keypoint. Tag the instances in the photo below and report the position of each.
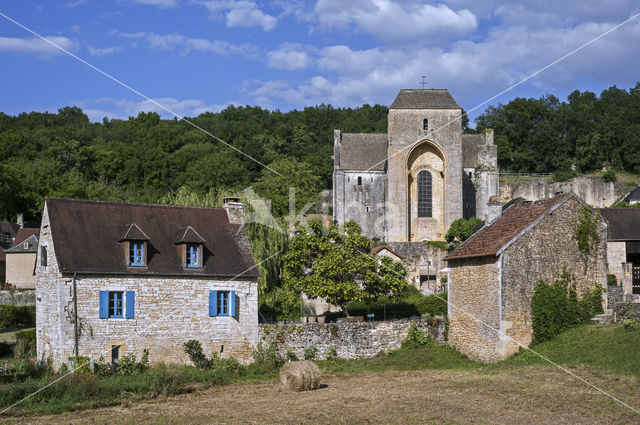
(492, 275)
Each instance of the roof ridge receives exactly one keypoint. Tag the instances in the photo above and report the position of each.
(155, 205)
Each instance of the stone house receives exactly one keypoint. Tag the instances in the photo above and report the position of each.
(623, 246)
(21, 259)
(493, 274)
(119, 278)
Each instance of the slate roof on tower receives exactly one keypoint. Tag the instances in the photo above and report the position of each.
(362, 151)
(424, 99)
(87, 234)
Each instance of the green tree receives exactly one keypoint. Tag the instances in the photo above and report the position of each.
(289, 173)
(461, 230)
(336, 264)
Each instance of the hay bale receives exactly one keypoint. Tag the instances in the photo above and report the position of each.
(300, 376)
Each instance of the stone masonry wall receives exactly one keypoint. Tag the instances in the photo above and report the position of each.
(474, 318)
(168, 311)
(18, 297)
(351, 340)
(542, 253)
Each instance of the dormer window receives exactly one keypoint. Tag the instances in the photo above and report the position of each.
(190, 247)
(134, 243)
(136, 253)
(194, 255)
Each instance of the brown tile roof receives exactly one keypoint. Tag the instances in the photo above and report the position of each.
(10, 228)
(24, 234)
(624, 223)
(377, 249)
(134, 233)
(490, 239)
(86, 234)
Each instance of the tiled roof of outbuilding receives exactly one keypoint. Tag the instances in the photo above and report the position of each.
(624, 223)
(424, 99)
(86, 235)
(19, 247)
(363, 151)
(491, 238)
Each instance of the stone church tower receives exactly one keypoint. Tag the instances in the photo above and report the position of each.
(410, 184)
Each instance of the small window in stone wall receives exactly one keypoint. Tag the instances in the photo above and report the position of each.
(117, 304)
(43, 256)
(425, 124)
(359, 181)
(222, 303)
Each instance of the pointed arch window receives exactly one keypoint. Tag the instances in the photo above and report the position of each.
(425, 194)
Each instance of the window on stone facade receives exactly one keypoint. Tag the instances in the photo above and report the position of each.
(136, 253)
(43, 256)
(117, 304)
(222, 303)
(424, 194)
(359, 181)
(425, 124)
(194, 255)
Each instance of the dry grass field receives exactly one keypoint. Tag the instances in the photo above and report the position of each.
(500, 395)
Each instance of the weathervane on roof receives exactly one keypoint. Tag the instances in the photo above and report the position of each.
(423, 82)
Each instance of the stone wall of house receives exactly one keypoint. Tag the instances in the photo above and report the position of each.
(542, 253)
(351, 340)
(420, 258)
(18, 297)
(617, 260)
(593, 190)
(168, 311)
(618, 301)
(474, 319)
(20, 270)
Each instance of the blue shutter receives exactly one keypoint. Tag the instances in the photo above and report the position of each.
(213, 303)
(232, 303)
(104, 304)
(130, 304)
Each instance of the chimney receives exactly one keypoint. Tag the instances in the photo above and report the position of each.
(235, 210)
(488, 136)
(494, 210)
(20, 220)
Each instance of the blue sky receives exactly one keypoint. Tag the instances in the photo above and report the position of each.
(201, 55)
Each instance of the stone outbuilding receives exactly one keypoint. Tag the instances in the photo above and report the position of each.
(119, 278)
(493, 274)
(21, 259)
(623, 246)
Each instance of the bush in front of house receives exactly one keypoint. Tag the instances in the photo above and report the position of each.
(416, 338)
(610, 176)
(25, 345)
(269, 357)
(556, 307)
(409, 303)
(12, 316)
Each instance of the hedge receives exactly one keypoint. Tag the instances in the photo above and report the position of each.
(17, 315)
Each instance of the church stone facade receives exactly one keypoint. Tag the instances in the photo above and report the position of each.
(410, 184)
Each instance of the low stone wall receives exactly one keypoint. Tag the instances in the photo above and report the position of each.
(351, 340)
(18, 297)
(618, 301)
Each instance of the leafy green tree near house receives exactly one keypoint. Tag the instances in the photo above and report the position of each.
(336, 264)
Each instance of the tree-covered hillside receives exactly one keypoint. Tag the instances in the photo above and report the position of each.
(147, 158)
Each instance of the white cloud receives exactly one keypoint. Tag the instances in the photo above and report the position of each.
(97, 109)
(241, 13)
(75, 3)
(103, 51)
(163, 4)
(185, 44)
(36, 46)
(290, 57)
(397, 22)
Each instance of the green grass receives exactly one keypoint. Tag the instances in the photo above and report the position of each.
(429, 357)
(609, 347)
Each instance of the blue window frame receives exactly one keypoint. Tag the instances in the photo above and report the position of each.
(193, 255)
(222, 303)
(115, 304)
(136, 253)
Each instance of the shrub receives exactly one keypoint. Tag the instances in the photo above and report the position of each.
(563, 175)
(310, 352)
(128, 365)
(80, 364)
(17, 315)
(612, 280)
(610, 176)
(416, 338)
(193, 348)
(331, 353)
(291, 356)
(100, 368)
(556, 307)
(25, 345)
(270, 356)
(629, 321)
(461, 230)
